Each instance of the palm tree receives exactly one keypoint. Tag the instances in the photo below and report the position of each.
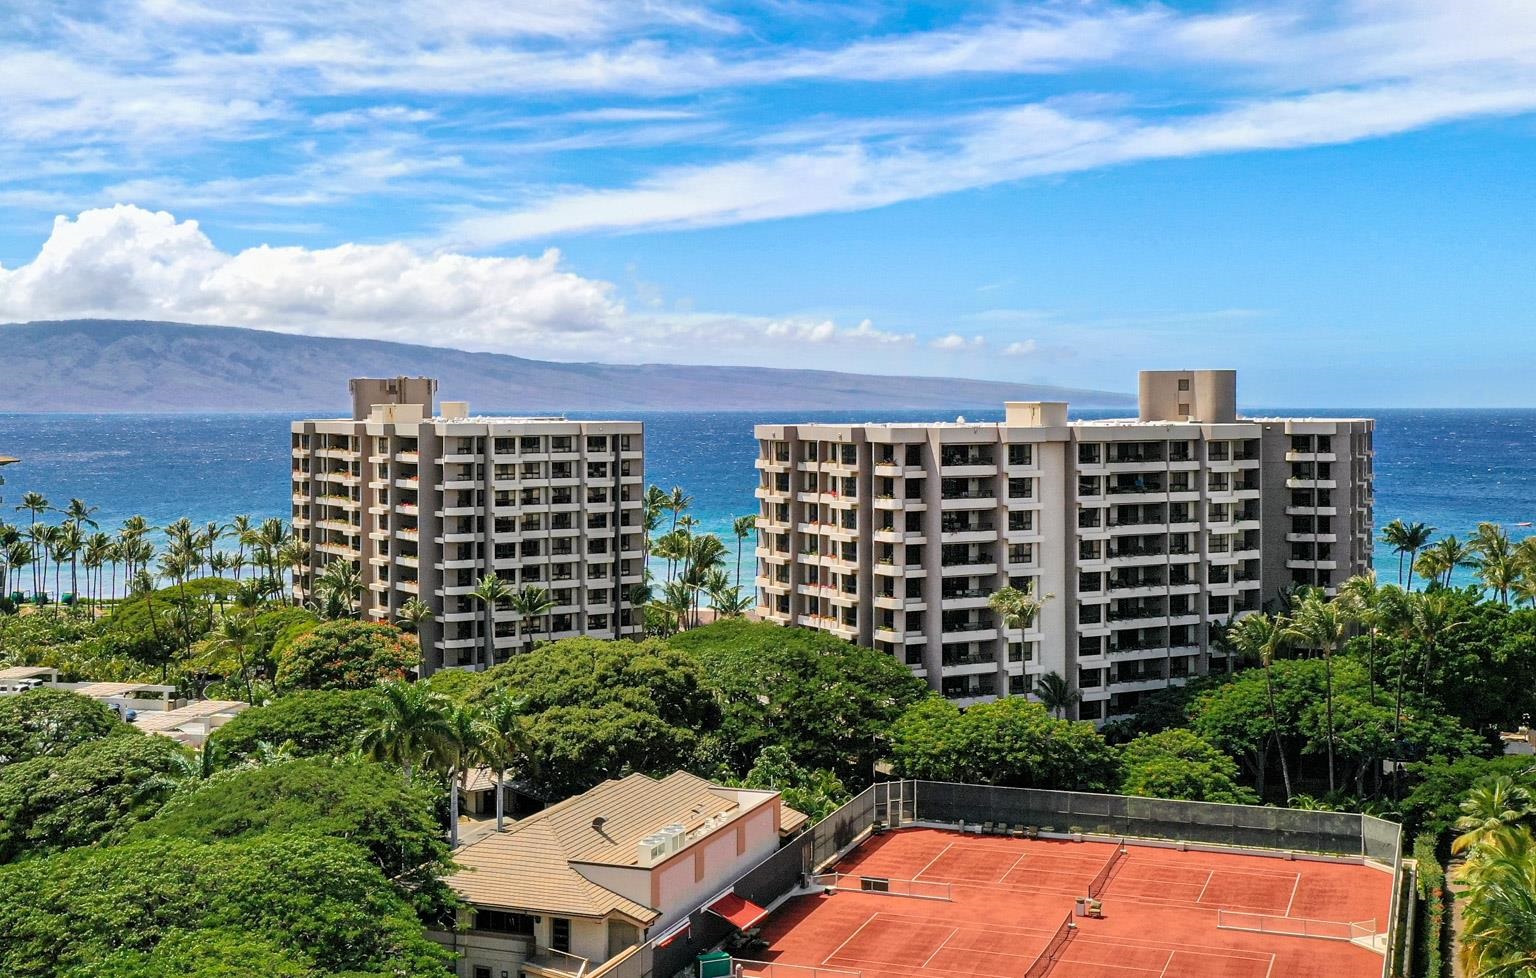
(530, 602)
(412, 614)
(1323, 625)
(458, 749)
(677, 503)
(234, 635)
(1395, 535)
(405, 724)
(17, 554)
(98, 550)
(742, 527)
(37, 504)
(729, 602)
(1498, 938)
(1056, 694)
(490, 591)
(1496, 565)
(504, 743)
(1262, 637)
(1491, 806)
(1431, 617)
(78, 513)
(67, 545)
(244, 531)
(339, 588)
(1017, 607)
(1373, 607)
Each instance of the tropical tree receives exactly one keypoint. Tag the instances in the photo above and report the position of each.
(1493, 805)
(530, 603)
(1323, 625)
(1496, 566)
(1406, 539)
(459, 748)
(338, 589)
(36, 504)
(1017, 607)
(1261, 637)
(1498, 937)
(412, 614)
(742, 527)
(1056, 694)
(405, 724)
(503, 743)
(490, 591)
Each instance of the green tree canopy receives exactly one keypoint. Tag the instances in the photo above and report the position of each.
(347, 655)
(816, 793)
(827, 702)
(1179, 764)
(316, 897)
(365, 803)
(1441, 782)
(76, 799)
(573, 748)
(42, 722)
(212, 953)
(1011, 742)
(306, 723)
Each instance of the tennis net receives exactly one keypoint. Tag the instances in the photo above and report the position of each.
(1097, 884)
(1047, 958)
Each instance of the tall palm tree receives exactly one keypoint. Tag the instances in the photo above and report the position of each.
(67, 545)
(1395, 535)
(234, 635)
(244, 530)
(37, 504)
(1432, 617)
(1323, 625)
(412, 614)
(78, 513)
(490, 591)
(17, 554)
(405, 724)
(459, 749)
(97, 551)
(1373, 607)
(677, 503)
(1261, 637)
(339, 589)
(1056, 694)
(742, 527)
(1496, 565)
(531, 602)
(504, 743)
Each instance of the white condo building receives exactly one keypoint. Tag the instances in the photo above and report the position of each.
(1146, 532)
(425, 503)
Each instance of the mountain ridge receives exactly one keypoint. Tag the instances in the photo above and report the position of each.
(113, 365)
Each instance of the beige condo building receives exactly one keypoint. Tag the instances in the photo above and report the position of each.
(425, 502)
(1146, 533)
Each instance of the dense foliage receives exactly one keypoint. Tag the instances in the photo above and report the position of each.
(347, 655)
(828, 703)
(303, 723)
(43, 722)
(96, 790)
(362, 802)
(317, 902)
(1011, 742)
(1178, 764)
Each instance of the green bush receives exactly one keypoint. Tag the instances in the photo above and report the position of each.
(43, 722)
(1432, 906)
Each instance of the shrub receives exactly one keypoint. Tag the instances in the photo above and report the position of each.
(347, 655)
(306, 723)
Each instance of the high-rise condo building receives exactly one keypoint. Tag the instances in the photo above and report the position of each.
(424, 504)
(1147, 534)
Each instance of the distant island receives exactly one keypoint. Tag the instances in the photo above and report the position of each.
(117, 365)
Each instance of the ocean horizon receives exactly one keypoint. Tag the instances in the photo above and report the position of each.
(1448, 467)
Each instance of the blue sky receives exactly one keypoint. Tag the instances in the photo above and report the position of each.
(1334, 198)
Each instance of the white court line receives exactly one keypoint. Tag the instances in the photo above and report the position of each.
(933, 860)
(1292, 901)
(936, 950)
(1164, 972)
(826, 962)
(1268, 972)
(1012, 867)
(1210, 874)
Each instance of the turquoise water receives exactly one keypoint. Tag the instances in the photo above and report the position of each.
(1449, 469)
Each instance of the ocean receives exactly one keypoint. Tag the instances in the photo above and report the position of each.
(1447, 468)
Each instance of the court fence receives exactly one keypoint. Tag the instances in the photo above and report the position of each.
(920, 889)
(898, 803)
(1362, 932)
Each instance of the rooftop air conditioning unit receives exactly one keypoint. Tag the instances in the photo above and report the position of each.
(651, 850)
(676, 837)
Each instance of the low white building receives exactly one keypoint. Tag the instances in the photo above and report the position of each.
(562, 891)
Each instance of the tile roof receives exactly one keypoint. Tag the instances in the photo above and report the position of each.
(529, 866)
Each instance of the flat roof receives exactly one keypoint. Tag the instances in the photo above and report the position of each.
(26, 672)
(155, 722)
(996, 907)
(1072, 423)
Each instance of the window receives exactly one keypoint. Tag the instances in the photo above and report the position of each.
(1184, 385)
(503, 922)
(481, 971)
(560, 933)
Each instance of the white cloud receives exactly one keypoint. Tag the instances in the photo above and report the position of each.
(1020, 348)
(129, 263)
(126, 262)
(954, 341)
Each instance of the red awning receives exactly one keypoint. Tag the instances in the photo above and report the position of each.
(680, 929)
(741, 913)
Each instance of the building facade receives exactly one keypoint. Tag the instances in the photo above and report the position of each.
(424, 503)
(1146, 534)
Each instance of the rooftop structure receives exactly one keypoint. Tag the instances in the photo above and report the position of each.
(1146, 533)
(424, 501)
(564, 890)
(152, 707)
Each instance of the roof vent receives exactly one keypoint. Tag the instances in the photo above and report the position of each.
(599, 822)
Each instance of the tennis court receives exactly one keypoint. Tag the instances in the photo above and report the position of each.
(928, 903)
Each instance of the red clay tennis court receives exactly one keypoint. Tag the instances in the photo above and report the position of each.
(940, 904)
